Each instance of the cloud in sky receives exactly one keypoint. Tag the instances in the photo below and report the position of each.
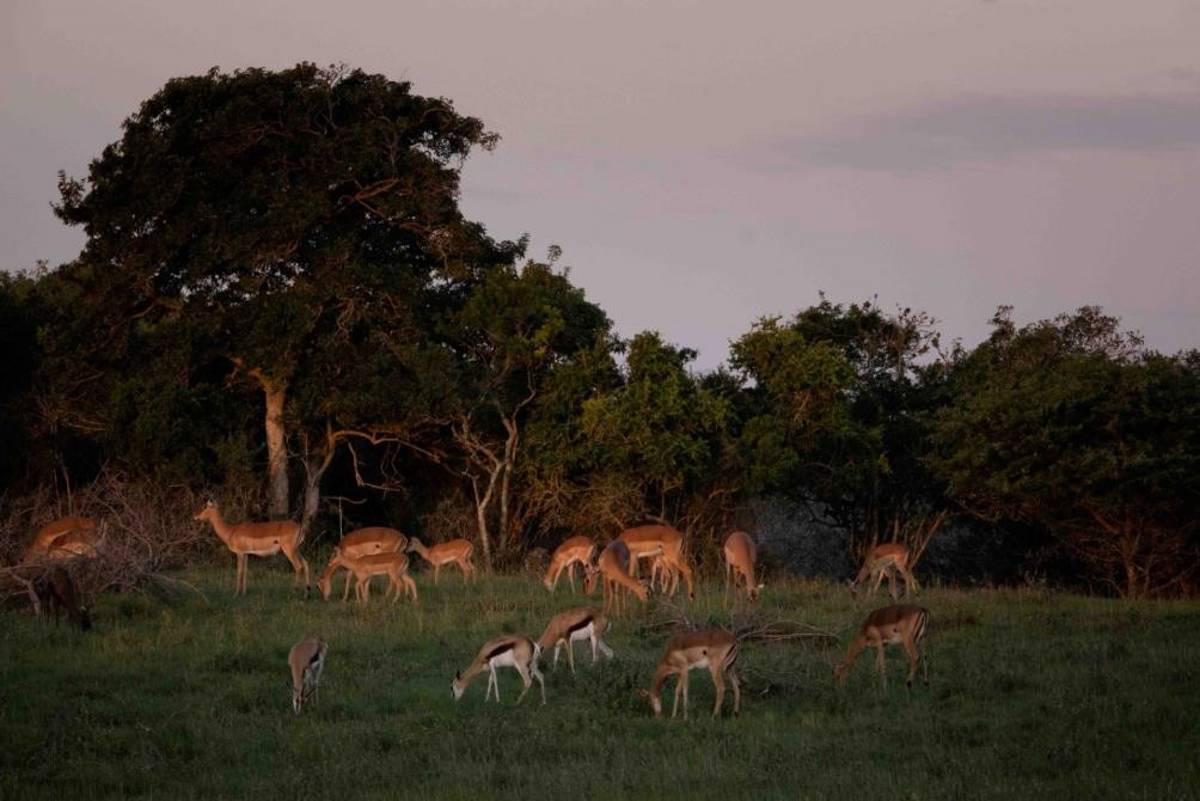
(974, 129)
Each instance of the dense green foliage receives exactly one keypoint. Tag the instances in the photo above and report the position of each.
(279, 288)
(1033, 696)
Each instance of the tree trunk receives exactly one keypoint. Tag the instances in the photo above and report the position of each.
(277, 474)
(510, 460)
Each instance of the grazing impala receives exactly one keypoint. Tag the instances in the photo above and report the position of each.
(514, 651)
(891, 625)
(886, 557)
(391, 564)
(306, 660)
(257, 539)
(612, 570)
(363, 542)
(575, 549)
(662, 541)
(572, 626)
(57, 593)
(714, 649)
(456, 551)
(740, 558)
(65, 537)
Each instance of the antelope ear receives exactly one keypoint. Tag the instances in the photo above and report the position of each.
(458, 675)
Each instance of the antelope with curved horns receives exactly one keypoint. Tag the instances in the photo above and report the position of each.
(741, 555)
(361, 542)
(514, 651)
(892, 625)
(572, 626)
(887, 557)
(258, 539)
(456, 551)
(715, 649)
(657, 540)
(612, 570)
(392, 564)
(572, 550)
(306, 660)
(63, 538)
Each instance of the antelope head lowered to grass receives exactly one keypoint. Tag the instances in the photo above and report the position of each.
(306, 660)
(515, 651)
(572, 626)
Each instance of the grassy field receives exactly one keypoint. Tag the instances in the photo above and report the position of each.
(1034, 695)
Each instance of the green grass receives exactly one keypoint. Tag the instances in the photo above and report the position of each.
(1034, 695)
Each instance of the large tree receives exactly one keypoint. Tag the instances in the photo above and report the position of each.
(298, 228)
(1072, 425)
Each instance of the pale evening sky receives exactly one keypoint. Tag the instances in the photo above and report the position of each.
(703, 163)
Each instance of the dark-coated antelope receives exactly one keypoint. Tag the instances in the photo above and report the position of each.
(258, 539)
(515, 651)
(306, 660)
(56, 591)
(714, 649)
(456, 551)
(573, 550)
(740, 558)
(572, 626)
(362, 542)
(612, 570)
(892, 625)
(886, 558)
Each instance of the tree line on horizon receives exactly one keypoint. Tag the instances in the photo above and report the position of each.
(278, 289)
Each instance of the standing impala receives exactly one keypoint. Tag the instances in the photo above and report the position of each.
(257, 539)
(891, 625)
(389, 563)
(612, 570)
(574, 549)
(887, 557)
(740, 558)
(662, 541)
(65, 537)
(362, 542)
(714, 649)
(514, 651)
(572, 626)
(456, 551)
(306, 660)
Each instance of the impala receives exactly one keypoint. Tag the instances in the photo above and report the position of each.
(886, 557)
(573, 550)
(57, 593)
(663, 541)
(891, 625)
(714, 649)
(514, 651)
(363, 542)
(612, 570)
(391, 564)
(257, 539)
(740, 558)
(306, 661)
(67, 536)
(572, 626)
(456, 551)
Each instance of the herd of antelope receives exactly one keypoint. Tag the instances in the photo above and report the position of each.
(370, 552)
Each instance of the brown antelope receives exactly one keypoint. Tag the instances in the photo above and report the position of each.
(362, 542)
(714, 649)
(612, 570)
(456, 551)
(887, 557)
(63, 538)
(891, 625)
(258, 539)
(648, 541)
(575, 549)
(391, 564)
(57, 593)
(514, 651)
(740, 557)
(567, 628)
(306, 661)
